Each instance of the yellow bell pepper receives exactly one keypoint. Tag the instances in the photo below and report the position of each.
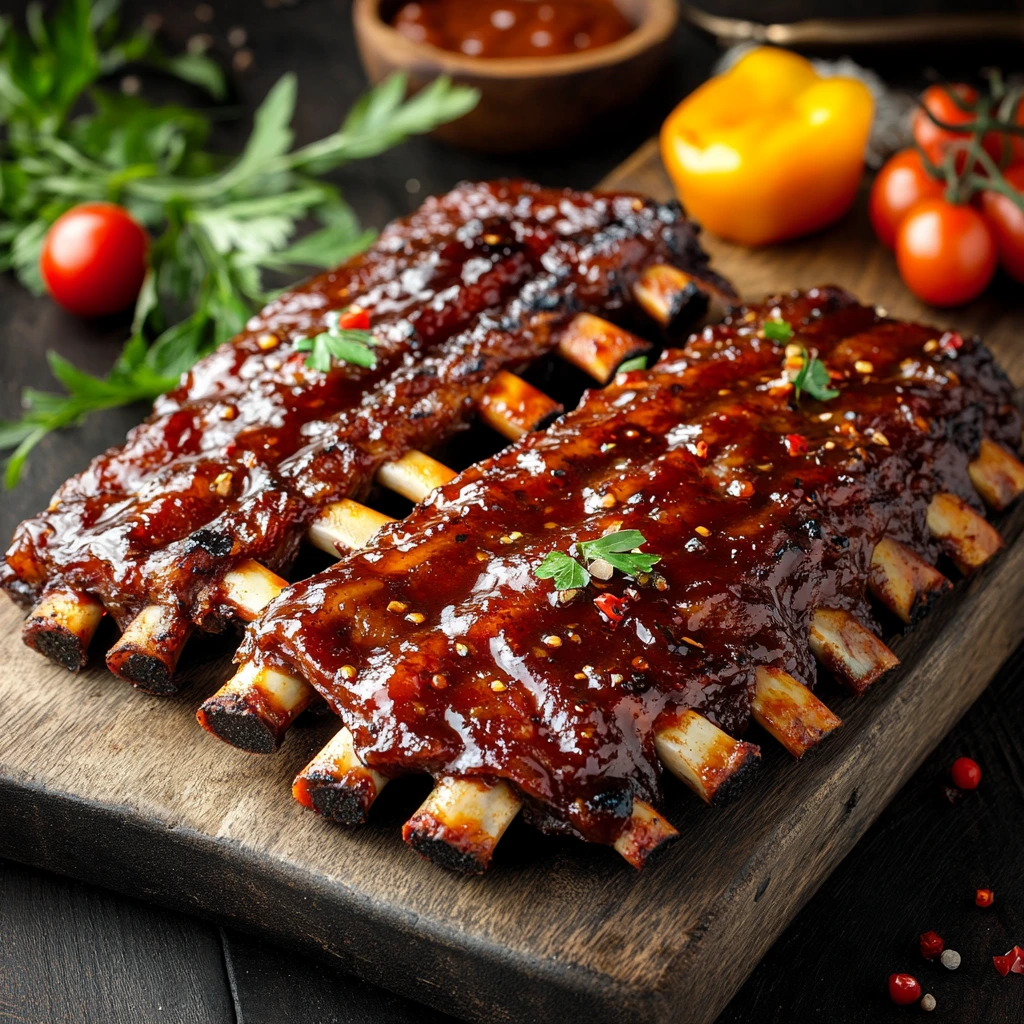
(769, 149)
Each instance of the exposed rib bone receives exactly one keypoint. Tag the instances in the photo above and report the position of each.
(345, 526)
(460, 823)
(147, 651)
(513, 408)
(707, 759)
(646, 832)
(337, 784)
(969, 539)
(997, 475)
(598, 347)
(665, 293)
(253, 710)
(903, 581)
(788, 710)
(61, 626)
(414, 475)
(849, 649)
(250, 587)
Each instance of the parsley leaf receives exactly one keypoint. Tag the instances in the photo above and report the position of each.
(814, 379)
(340, 344)
(617, 549)
(567, 573)
(777, 330)
(636, 363)
(217, 225)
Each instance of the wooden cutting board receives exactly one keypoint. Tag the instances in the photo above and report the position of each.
(125, 791)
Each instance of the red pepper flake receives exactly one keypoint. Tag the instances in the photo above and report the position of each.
(904, 989)
(931, 945)
(796, 444)
(951, 342)
(702, 449)
(611, 607)
(984, 897)
(1013, 960)
(965, 773)
(354, 318)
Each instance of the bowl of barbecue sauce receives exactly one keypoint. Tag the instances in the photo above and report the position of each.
(547, 70)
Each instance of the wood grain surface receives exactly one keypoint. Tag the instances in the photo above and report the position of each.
(120, 789)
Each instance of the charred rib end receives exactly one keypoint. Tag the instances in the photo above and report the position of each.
(459, 848)
(645, 833)
(230, 718)
(62, 625)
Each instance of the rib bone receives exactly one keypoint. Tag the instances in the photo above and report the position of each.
(789, 711)
(970, 539)
(147, 651)
(337, 784)
(903, 581)
(997, 475)
(848, 649)
(61, 626)
(707, 759)
(513, 407)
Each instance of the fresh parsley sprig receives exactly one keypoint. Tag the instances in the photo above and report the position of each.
(813, 377)
(341, 344)
(619, 549)
(218, 225)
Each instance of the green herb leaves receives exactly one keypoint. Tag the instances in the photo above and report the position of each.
(813, 378)
(339, 343)
(636, 363)
(218, 225)
(777, 330)
(618, 549)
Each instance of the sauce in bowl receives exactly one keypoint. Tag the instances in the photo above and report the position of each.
(512, 28)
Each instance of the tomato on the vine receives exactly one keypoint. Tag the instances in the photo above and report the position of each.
(1006, 219)
(935, 141)
(945, 252)
(94, 259)
(900, 185)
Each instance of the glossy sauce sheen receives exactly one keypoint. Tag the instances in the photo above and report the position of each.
(233, 463)
(467, 663)
(512, 28)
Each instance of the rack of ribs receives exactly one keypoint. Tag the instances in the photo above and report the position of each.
(771, 520)
(255, 449)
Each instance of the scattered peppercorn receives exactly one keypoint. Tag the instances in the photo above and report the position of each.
(931, 945)
(927, 1002)
(984, 897)
(965, 773)
(950, 959)
(904, 989)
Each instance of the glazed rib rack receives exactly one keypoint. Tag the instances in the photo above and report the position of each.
(774, 518)
(212, 495)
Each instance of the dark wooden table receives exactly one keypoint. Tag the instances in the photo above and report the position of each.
(71, 954)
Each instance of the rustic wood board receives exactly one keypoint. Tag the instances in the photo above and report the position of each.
(124, 790)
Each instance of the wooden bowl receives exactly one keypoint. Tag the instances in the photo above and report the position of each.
(526, 103)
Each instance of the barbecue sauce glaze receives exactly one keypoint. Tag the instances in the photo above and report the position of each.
(443, 652)
(234, 462)
(512, 28)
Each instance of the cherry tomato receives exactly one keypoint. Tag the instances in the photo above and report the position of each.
(94, 259)
(1006, 220)
(904, 989)
(902, 183)
(965, 773)
(946, 253)
(935, 140)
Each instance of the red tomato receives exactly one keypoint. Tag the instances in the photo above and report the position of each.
(902, 183)
(1006, 220)
(94, 259)
(946, 253)
(935, 140)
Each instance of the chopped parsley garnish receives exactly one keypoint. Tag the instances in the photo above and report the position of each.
(339, 343)
(636, 363)
(777, 330)
(813, 378)
(618, 549)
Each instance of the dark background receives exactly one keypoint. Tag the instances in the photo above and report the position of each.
(71, 954)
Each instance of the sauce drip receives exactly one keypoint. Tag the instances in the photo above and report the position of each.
(512, 28)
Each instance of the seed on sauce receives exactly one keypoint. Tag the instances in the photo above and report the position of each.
(348, 672)
(415, 617)
(693, 643)
(438, 682)
(222, 484)
(268, 341)
(641, 663)
(703, 531)
(551, 526)
(397, 607)
(931, 345)
(608, 501)
(498, 686)
(552, 640)
(864, 366)
(461, 650)
(512, 28)
(879, 438)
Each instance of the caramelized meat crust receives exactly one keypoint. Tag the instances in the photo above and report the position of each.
(233, 463)
(443, 652)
